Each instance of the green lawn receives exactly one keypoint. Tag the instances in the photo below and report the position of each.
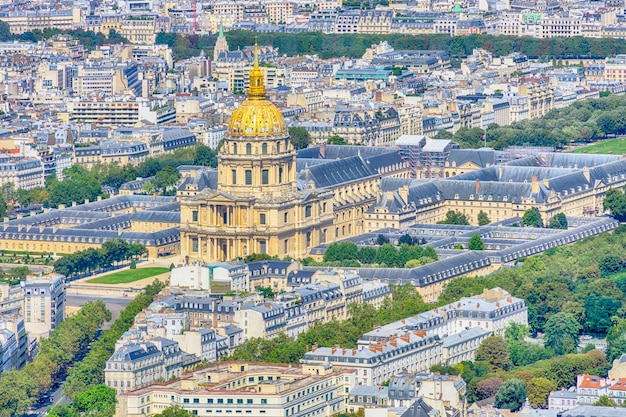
(130, 275)
(615, 146)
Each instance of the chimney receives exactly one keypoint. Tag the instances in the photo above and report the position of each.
(353, 351)
(477, 305)
(535, 185)
(586, 174)
(61, 206)
(393, 342)
(477, 185)
(405, 337)
(343, 352)
(404, 193)
(373, 349)
(307, 348)
(28, 226)
(6, 223)
(323, 149)
(334, 349)
(314, 347)
(546, 183)
(99, 198)
(86, 201)
(41, 228)
(19, 227)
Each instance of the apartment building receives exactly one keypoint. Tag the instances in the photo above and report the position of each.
(43, 305)
(446, 335)
(221, 277)
(13, 342)
(21, 21)
(23, 173)
(540, 95)
(270, 390)
(136, 364)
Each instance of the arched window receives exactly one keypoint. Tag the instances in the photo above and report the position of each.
(248, 149)
(277, 147)
(234, 149)
(264, 149)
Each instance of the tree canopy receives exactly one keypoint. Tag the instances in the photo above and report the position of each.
(300, 138)
(532, 217)
(454, 217)
(511, 395)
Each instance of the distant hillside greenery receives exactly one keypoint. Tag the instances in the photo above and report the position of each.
(354, 45)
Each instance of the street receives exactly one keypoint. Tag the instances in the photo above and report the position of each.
(114, 304)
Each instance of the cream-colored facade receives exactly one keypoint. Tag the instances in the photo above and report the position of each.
(540, 95)
(258, 390)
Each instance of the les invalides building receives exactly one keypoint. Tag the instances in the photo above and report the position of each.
(257, 205)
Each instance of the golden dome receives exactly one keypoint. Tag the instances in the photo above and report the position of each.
(256, 116)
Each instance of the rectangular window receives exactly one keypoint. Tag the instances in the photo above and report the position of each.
(210, 401)
(262, 218)
(286, 217)
(263, 401)
(194, 216)
(186, 400)
(194, 244)
(196, 400)
(248, 177)
(249, 401)
(234, 174)
(239, 400)
(220, 401)
(265, 177)
(307, 211)
(262, 246)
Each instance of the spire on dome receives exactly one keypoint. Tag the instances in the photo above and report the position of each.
(257, 82)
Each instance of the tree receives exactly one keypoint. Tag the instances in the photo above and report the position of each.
(454, 217)
(3, 207)
(165, 178)
(532, 217)
(5, 31)
(174, 412)
(476, 243)
(339, 251)
(559, 221)
(266, 292)
(205, 156)
(487, 387)
(495, 352)
(405, 239)
(300, 137)
(605, 401)
(387, 255)
(97, 399)
(381, 240)
(483, 219)
(561, 333)
(610, 264)
(538, 391)
(511, 395)
(366, 255)
(336, 140)
(615, 203)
